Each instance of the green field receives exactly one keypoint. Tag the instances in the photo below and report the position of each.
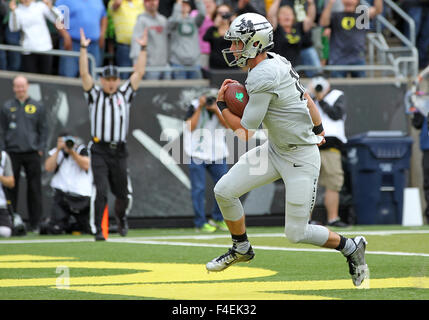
(170, 264)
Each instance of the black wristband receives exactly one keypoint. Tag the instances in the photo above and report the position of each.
(318, 129)
(84, 47)
(143, 48)
(221, 105)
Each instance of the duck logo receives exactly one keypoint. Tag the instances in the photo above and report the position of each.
(348, 23)
(30, 109)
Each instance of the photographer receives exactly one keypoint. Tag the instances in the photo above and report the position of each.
(208, 151)
(7, 180)
(331, 105)
(72, 184)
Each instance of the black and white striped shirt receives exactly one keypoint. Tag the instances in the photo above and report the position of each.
(109, 114)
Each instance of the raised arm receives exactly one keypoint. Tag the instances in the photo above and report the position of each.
(310, 17)
(87, 81)
(273, 12)
(140, 66)
(376, 9)
(14, 25)
(325, 17)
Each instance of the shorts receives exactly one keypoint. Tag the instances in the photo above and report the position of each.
(331, 170)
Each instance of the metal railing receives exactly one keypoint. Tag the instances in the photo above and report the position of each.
(54, 52)
(401, 61)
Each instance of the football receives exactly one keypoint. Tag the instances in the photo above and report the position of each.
(236, 98)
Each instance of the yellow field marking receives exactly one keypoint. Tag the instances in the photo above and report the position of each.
(184, 281)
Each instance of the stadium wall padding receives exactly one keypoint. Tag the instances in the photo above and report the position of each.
(163, 191)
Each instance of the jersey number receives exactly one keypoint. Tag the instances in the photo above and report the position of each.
(298, 84)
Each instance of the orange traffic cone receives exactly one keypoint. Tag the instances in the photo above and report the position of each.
(105, 222)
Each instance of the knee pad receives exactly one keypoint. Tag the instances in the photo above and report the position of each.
(294, 233)
(229, 205)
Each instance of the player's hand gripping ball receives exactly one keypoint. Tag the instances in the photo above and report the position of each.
(236, 98)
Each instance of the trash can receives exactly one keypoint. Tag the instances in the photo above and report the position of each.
(377, 162)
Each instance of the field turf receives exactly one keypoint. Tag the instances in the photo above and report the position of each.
(169, 264)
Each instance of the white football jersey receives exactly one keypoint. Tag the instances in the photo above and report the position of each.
(287, 117)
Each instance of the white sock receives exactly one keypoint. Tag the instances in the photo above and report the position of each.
(349, 247)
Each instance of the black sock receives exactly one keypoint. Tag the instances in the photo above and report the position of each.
(239, 238)
(240, 243)
(342, 243)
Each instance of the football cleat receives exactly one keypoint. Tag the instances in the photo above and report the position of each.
(357, 266)
(232, 256)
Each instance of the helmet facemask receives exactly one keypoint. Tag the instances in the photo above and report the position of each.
(256, 34)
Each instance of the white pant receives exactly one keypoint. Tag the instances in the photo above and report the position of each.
(299, 168)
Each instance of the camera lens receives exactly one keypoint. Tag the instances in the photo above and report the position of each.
(69, 143)
(210, 101)
(226, 16)
(318, 88)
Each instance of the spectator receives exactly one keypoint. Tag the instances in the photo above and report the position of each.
(420, 122)
(205, 145)
(288, 33)
(12, 38)
(244, 6)
(332, 109)
(214, 35)
(185, 48)
(210, 9)
(29, 17)
(348, 34)
(3, 26)
(90, 16)
(72, 185)
(23, 135)
(157, 45)
(6, 181)
(418, 10)
(124, 14)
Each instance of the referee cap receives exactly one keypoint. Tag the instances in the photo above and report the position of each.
(110, 72)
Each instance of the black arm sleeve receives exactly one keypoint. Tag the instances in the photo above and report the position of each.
(417, 120)
(190, 112)
(337, 111)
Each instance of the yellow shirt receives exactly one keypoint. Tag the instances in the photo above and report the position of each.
(124, 19)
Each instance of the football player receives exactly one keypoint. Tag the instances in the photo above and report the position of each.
(286, 111)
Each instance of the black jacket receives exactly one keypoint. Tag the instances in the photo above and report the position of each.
(23, 127)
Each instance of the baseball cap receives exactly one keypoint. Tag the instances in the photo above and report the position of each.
(110, 72)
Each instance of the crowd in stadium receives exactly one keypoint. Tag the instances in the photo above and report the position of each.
(188, 33)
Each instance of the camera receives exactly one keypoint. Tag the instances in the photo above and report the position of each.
(69, 141)
(226, 16)
(320, 84)
(210, 100)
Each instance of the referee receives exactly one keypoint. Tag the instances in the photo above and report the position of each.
(109, 108)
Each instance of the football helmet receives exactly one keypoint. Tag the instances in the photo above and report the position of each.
(254, 31)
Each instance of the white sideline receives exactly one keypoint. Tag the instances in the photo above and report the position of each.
(162, 240)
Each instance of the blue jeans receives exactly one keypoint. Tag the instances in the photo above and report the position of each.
(122, 58)
(309, 57)
(354, 74)
(13, 58)
(157, 75)
(421, 18)
(196, 74)
(197, 171)
(69, 67)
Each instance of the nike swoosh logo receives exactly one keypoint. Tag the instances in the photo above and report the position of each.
(297, 165)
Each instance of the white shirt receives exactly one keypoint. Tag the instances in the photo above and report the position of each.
(31, 21)
(207, 141)
(5, 170)
(333, 128)
(71, 178)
